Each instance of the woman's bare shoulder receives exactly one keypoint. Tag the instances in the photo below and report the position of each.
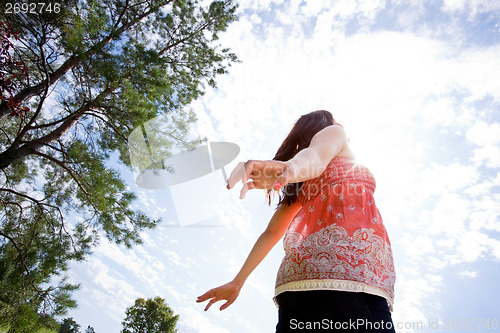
(336, 133)
(332, 132)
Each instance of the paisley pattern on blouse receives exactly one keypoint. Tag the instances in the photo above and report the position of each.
(337, 240)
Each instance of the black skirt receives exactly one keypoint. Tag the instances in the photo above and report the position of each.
(331, 311)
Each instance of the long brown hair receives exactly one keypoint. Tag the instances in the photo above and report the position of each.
(299, 138)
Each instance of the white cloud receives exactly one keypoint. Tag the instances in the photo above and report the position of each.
(484, 134)
(494, 246)
(489, 155)
(107, 289)
(125, 257)
(477, 70)
(343, 9)
(255, 19)
(481, 189)
(441, 111)
(370, 8)
(409, 306)
(173, 257)
(472, 245)
(485, 213)
(257, 5)
(313, 8)
(194, 321)
(454, 5)
(418, 246)
(471, 7)
(469, 274)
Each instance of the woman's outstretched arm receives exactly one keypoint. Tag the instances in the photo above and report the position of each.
(307, 164)
(273, 233)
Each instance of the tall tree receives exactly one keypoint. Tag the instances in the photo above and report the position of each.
(152, 315)
(88, 73)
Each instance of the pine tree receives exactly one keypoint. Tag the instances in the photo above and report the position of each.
(88, 73)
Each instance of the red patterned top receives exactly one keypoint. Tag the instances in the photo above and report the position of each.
(337, 240)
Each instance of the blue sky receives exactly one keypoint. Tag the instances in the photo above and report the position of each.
(415, 84)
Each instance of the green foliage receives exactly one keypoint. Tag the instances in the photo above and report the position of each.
(152, 315)
(29, 322)
(46, 330)
(69, 325)
(94, 71)
(89, 329)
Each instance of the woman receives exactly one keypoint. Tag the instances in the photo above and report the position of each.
(338, 271)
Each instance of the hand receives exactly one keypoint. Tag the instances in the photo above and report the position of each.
(228, 292)
(264, 175)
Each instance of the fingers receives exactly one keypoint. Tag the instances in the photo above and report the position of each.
(225, 305)
(205, 296)
(236, 175)
(227, 292)
(259, 174)
(241, 172)
(249, 167)
(212, 301)
(208, 295)
(245, 188)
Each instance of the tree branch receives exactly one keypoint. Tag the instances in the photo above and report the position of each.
(112, 126)
(14, 153)
(62, 165)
